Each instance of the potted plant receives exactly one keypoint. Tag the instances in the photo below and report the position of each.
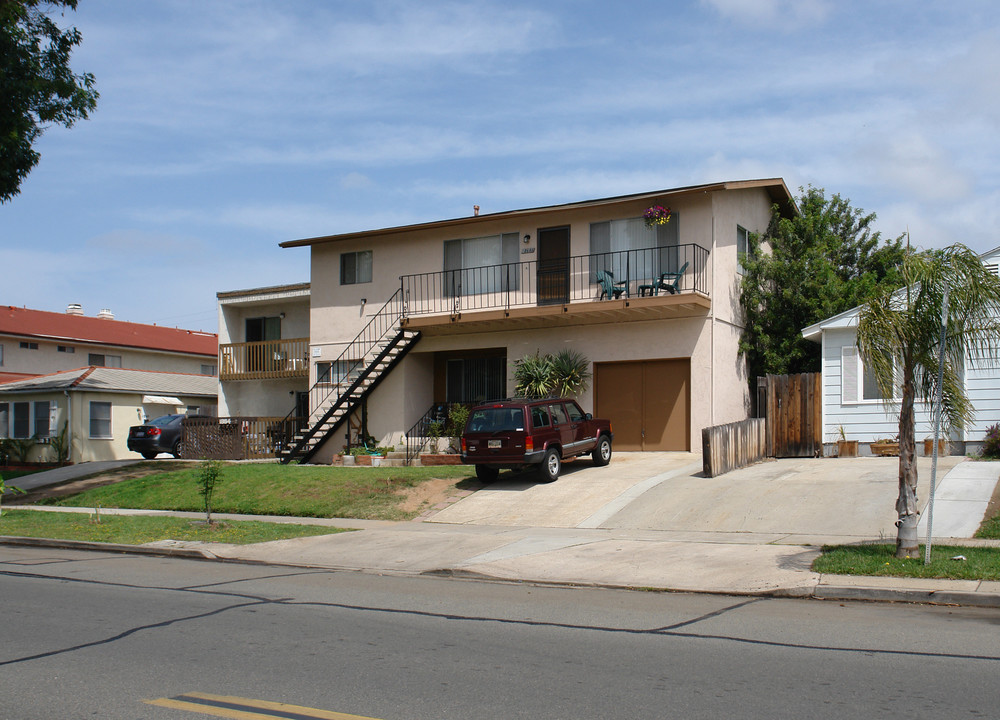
(885, 447)
(845, 447)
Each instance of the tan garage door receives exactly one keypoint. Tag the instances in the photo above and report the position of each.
(647, 401)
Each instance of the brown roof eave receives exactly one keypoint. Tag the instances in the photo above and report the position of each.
(775, 187)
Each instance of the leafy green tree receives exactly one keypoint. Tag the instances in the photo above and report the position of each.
(823, 261)
(209, 474)
(899, 339)
(37, 86)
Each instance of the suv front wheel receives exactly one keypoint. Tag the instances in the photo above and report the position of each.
(602, 453)
(551, 464)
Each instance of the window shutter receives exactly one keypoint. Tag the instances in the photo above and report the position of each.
(53, 417)
(848, 374)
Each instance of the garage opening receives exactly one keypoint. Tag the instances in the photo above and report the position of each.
(647, 401)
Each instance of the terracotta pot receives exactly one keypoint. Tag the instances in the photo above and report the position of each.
(885, 449)
(847, 448)
(942, 447)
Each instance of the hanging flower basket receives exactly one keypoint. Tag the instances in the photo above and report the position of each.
(657, 215)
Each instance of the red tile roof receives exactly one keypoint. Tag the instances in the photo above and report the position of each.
(101, 331)
(6, 377)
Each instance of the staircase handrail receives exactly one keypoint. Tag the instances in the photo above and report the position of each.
(332, 385)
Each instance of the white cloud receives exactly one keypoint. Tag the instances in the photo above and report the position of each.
(787, 14)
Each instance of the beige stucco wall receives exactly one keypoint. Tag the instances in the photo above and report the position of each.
(47, 358)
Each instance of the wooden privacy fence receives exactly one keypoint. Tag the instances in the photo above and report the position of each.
(734, 445)
(237, 438)
(794, 415)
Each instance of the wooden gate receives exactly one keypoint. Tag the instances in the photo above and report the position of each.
(794, 415)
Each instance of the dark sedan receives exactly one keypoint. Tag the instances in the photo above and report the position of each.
(164, 434)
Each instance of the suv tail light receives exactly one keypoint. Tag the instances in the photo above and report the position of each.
(464, 447)
(529, 444)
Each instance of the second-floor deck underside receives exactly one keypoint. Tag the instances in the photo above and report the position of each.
(631, 285)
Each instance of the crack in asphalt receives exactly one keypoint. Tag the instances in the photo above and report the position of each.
(251, 600)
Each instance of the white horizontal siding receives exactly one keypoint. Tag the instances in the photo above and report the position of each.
(863, 421)
(982, 384)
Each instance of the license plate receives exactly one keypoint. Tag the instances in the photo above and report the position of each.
(140, 434)
(494, 444)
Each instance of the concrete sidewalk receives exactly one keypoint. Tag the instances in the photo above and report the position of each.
(616, 538)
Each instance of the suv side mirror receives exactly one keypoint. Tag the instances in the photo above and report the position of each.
(588, 416)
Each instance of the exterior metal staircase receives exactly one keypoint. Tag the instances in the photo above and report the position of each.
(353, 376)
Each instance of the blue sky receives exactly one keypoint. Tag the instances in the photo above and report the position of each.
(226, 127)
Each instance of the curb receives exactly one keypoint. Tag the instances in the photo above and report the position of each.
(189, 553)
(819, 592)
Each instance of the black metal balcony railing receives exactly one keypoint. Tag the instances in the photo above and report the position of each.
(573, 279)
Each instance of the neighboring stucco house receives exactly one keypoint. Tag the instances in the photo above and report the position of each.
(96, 406)
(852, 401)
(47, 358)
(36, 342)
(402, 318)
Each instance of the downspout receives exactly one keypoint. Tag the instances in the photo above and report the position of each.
(715, 293)
(69, 426)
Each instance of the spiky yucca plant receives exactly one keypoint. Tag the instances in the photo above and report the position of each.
(570, 373)
(532, 375)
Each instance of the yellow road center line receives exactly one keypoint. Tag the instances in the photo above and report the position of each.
(228, 706)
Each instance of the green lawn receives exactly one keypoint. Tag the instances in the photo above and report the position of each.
(274, 489)
(980, 564)
(136, 530)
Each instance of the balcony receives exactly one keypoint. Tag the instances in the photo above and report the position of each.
(564, 291)
(266, 360)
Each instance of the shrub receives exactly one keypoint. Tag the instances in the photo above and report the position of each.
(991, 443)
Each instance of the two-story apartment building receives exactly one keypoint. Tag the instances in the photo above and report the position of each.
(93, 377)
(405, 317)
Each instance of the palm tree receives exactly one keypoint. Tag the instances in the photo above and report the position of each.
(899, 339)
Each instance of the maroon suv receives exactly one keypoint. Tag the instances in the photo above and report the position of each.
(540, 433)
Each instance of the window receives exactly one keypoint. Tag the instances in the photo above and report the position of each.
(473, 380)
(1, 355)
(575, 413)
(65, 349)
(4, 420)
(100, 420)
(628, 248)
(558, 415)
(356, 267)
(539, 417)
(22, 420)
(208, 370)
(474, 266)
(111, 361)
(43, 418)
(742, 248)
(337, 371)
(28, 345)
(857, 381)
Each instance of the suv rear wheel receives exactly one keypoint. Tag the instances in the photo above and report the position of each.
(486, 473)
(551, 465)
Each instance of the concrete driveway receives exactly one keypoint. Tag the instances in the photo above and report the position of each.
(786, 500)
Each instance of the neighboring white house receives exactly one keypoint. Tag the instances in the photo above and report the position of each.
(96, 406)
(852, 402)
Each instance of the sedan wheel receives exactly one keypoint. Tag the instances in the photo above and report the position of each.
(178, 449)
